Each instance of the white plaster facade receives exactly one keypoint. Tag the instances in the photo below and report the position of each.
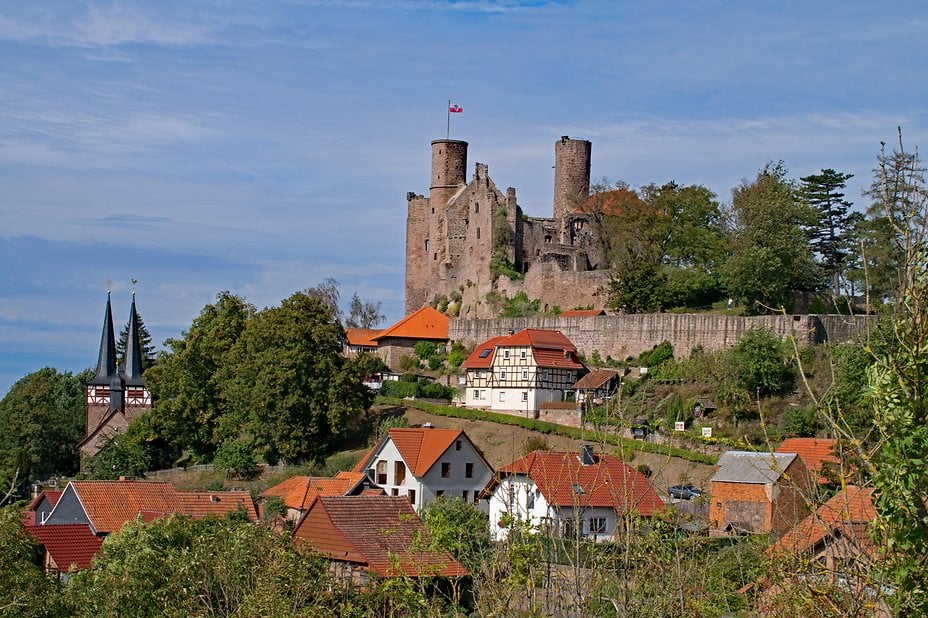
(460, 472)
(518, 498)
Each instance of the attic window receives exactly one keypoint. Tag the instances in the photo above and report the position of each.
(214, 499)
(485, 353)
(577, 488)
(457, 445)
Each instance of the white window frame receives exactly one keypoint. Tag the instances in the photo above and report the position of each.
(525, 374)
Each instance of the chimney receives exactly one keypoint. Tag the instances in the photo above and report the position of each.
(36, 490)
(512, 332)
(586, 455)
(428, 426)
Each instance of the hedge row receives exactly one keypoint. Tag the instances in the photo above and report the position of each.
(626, 444)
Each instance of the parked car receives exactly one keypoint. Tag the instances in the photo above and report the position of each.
(684, 492)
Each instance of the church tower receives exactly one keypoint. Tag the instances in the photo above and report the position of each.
(116, 394)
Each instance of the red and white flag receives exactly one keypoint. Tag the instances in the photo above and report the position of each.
(455, 109)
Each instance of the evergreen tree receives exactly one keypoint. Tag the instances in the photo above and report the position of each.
(148, 350)
(830, 238)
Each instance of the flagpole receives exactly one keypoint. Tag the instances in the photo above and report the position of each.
(448, 133)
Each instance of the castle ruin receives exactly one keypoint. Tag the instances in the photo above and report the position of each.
(468, 240)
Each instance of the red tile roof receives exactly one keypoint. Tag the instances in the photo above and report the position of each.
(51, 494)
(482, 356)
(426, 323)
(298, 492)
(849, 511)
(565, 482)
(379, 532)
(582, 313)
(550, 348)
(813, 451)
(110, 504)
(363, 337)
(67, 544)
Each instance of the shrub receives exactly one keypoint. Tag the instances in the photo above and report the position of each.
(761, 361)
(236, 459)
(408, 363)
(425, 349)
(435, 361)
(400, 389)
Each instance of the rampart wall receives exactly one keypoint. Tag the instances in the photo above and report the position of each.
(622, 336)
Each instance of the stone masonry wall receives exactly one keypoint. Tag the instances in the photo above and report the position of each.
(622, 336)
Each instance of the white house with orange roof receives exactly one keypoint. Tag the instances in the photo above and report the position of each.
(400, 339)
(570, 494)
(425, 463)
(519, 372)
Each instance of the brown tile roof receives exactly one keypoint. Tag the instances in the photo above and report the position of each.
(298, 492)
(539, 338)
(614, 203)
(426, 323)
(850, 511)
(813, 451)
(595, 379)
(363, 337)
(565, 482)
(381, 533)
(482, 356)
(67, 544)
(582, 313)
(110, 504)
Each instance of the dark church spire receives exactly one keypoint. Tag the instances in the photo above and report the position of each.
(133, 349)
(106, 362)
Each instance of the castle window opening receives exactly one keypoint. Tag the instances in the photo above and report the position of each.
(547, 238)
(435, 256)
(427, 246)
(478, 233)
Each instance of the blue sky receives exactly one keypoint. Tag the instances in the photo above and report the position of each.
(263, 146)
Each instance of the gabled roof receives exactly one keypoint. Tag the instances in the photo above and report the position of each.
(67, 544)
(420, 447)
(363, 337)
(582, 313)
(751, 467)
(426, 323)
(813, 451)
(550, 349)
(298, 492)
(104, 423)
(51, 495)
(219, 503)
(110, 504)
(848, 513)
(482, 356)
(565, 482)
(595, 379)
(382, 533)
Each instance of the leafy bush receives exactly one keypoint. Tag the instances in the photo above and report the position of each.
(408, 363)
(661, 353)
(425, 349)
(457, 355)
(761, 360)
(801, 422)
(399, 389)
(436, 361)
(236, 459)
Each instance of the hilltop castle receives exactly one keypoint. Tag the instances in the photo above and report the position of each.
(467, 239)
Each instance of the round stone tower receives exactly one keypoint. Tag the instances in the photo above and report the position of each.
(449, 170)
(571, 174)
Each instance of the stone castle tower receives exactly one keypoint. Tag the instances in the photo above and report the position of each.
(117, 393)
(468, 240)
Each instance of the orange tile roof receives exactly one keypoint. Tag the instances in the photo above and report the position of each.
(426, 323)
(480, 358)
(363, 337)
(849, 511)
(813, 451)
(539, 338)
(68, 544)
(219, 503)
(298, 492)
(379, 532)
(565, 482)
(582, 313)
(110, 504)
(422, 446)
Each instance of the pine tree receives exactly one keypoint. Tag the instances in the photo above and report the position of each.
(148, 350)
(831, 237)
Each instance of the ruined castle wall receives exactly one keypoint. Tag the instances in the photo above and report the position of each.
(565, 289)
(419, 252)
(622, 336)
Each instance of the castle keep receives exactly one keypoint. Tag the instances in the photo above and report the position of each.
(468, 239)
